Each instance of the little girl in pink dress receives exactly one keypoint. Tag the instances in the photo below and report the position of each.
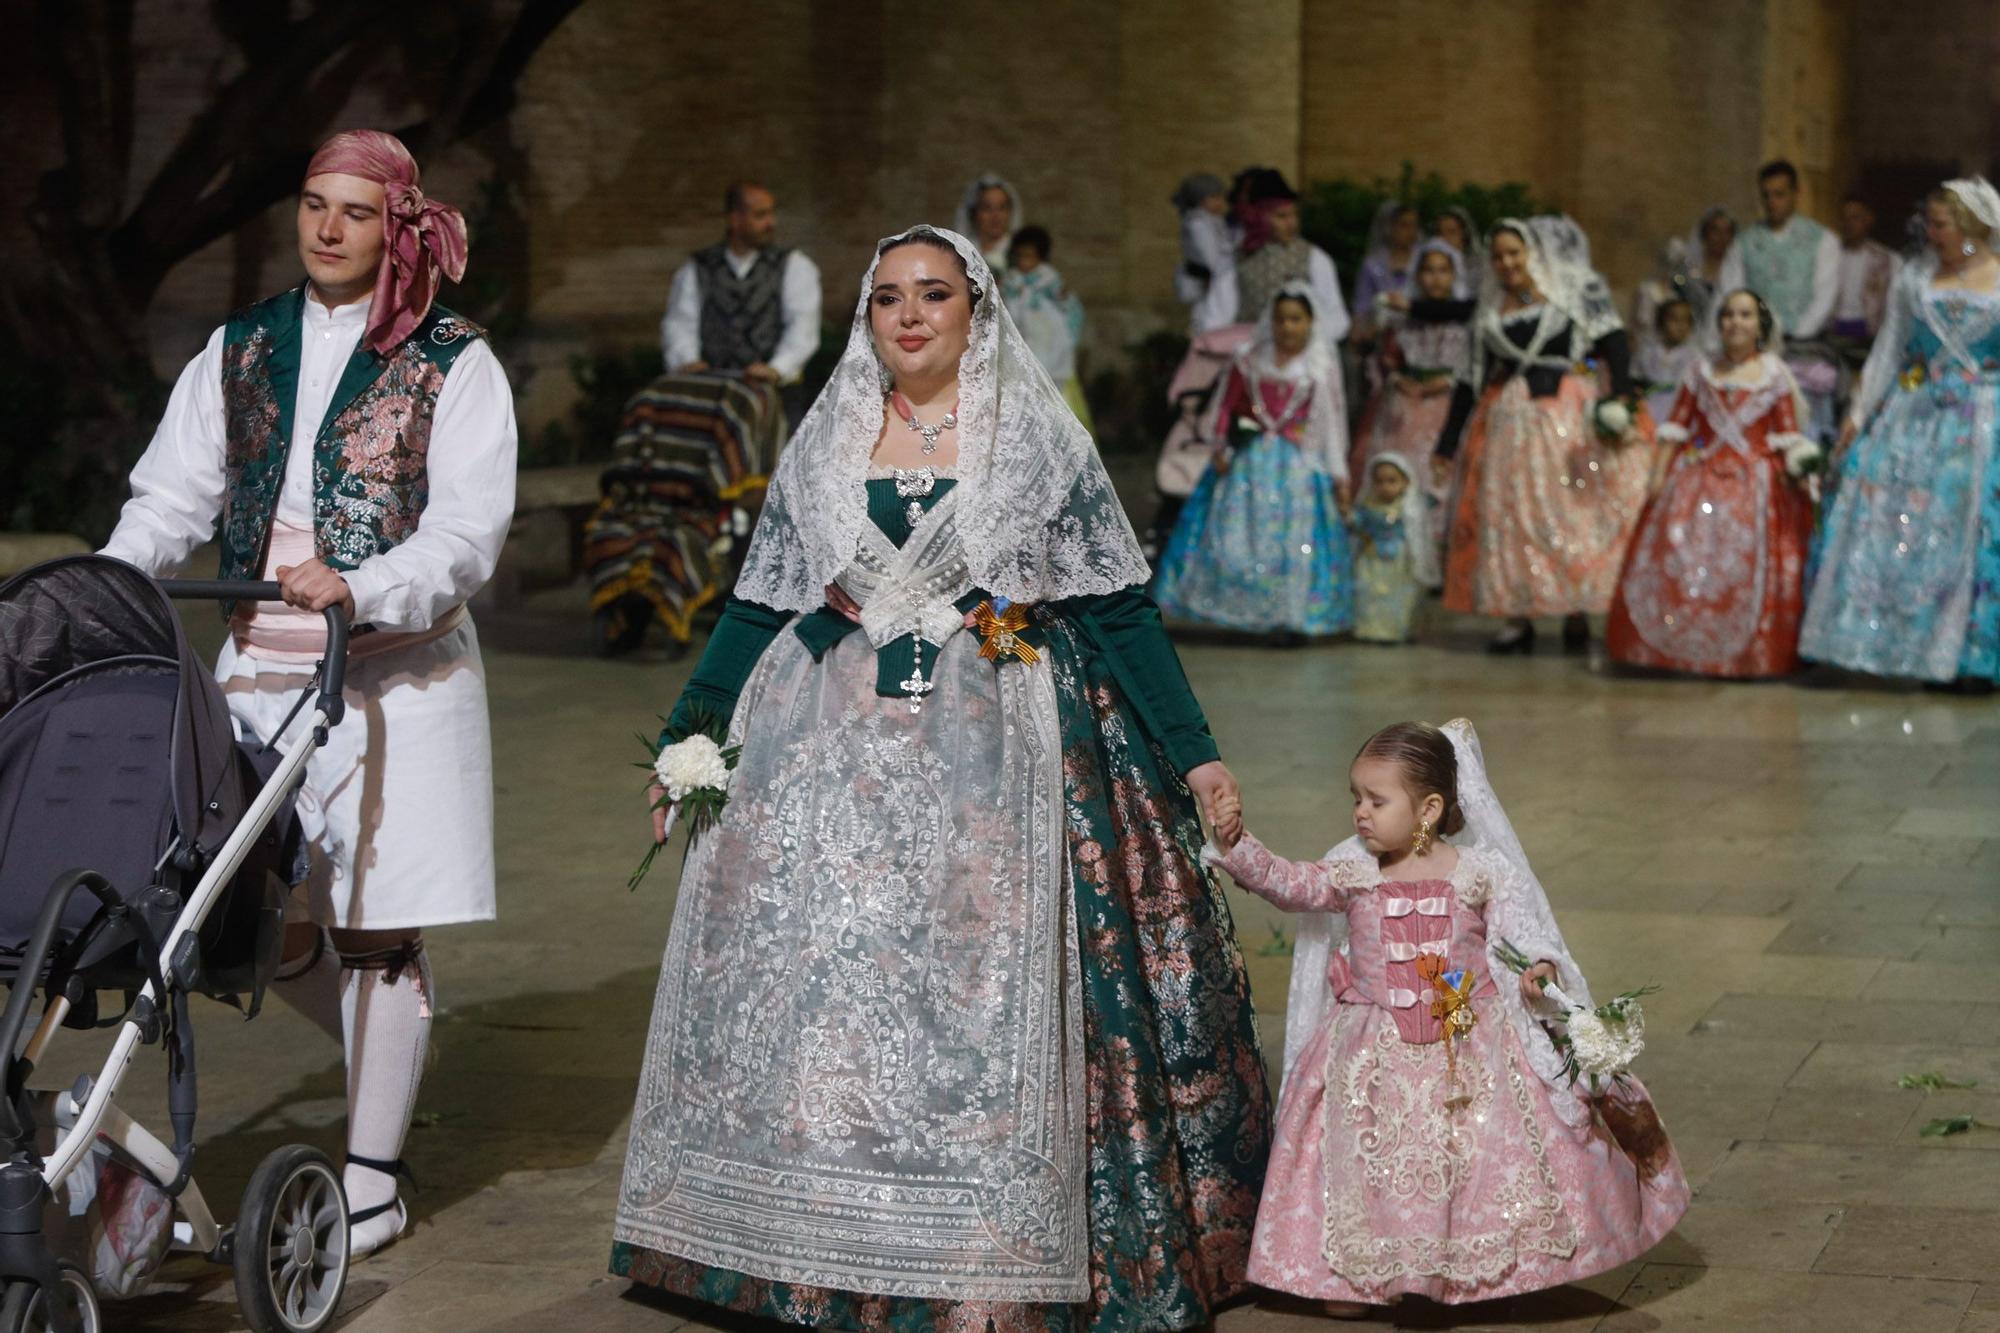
(1403, 1164)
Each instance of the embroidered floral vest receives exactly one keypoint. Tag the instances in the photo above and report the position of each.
(1780, 268)
(369, 478)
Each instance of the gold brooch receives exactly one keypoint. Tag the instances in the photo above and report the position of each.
(1000, 632)
(1913, 377)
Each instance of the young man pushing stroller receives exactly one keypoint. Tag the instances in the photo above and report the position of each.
(356, 443)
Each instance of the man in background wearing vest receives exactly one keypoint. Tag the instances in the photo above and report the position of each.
(745, 305)
(356, 442)
(1794, 264)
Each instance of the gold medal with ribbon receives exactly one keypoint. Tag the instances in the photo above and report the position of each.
(1451, 1005)
(1000, 630)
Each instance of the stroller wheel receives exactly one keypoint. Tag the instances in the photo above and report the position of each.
(291, 1243)
(24, 1309)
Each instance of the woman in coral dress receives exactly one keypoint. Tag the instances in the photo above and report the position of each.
(1551, 476)
(1714, 581)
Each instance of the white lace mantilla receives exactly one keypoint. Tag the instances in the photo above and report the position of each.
(1039, 521)
(865, 1064)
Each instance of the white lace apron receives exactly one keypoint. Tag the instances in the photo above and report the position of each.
(865, 1065)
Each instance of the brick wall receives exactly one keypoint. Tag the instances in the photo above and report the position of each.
(867, 115)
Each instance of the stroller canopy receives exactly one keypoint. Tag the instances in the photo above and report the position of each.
(73, 616)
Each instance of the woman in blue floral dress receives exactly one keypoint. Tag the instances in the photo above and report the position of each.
(1908, 576)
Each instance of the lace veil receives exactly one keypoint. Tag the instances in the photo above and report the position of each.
(1039, 517)
(1325, 436)
(1416, 530)
(962, 220)
(1517, 912)
(1572, 291)
(1472, 263)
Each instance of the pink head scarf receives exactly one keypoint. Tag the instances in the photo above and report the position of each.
(423, 241)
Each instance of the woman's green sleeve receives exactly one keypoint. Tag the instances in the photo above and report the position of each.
(740, 638)
(1126, 630)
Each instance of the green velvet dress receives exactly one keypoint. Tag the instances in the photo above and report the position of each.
(1176, 1109)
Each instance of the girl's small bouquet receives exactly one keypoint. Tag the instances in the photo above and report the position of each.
(693, 774)
(1598, 1044)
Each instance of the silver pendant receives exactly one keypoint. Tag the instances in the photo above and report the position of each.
(916, 686)
(931, 433)
(915, 514)
(915, 481)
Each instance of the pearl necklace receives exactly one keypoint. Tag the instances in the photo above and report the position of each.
(902, 408)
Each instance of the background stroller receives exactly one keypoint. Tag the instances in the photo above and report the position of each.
(693, 457)
(1185, 453)
(144, 850)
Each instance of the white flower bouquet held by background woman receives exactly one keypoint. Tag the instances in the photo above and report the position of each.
(1599, 1044)
(693, 776)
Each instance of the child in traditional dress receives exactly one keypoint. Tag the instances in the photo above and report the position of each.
(1423, 353)
(1047, 312)
(1260, 545)
(1406, 1163)
(1714, 580)
(1665, 358)
(1208, 252)
(1393, 559)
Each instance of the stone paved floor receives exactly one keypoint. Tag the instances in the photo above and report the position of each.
(1814, 876)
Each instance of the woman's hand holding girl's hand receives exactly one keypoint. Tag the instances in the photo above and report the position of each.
(1531, 987)
(1848, 430)
(1221, 800)
(837, 598)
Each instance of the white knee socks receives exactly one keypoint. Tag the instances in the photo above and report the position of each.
(387, 1009)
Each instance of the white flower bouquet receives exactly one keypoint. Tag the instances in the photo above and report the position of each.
(1613, 418)
(1599, 1044)
(693, 776)
(1803, 457)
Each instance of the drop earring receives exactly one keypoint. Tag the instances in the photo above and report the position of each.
(1420, 841)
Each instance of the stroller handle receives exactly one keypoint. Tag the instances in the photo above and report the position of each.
(333, 676)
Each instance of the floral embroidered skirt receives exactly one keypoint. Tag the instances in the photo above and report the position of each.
(1177, 1115)
(1260, 547)
(1544, 508)
(1376, 1189)
(1907, 577)
(1714, 582)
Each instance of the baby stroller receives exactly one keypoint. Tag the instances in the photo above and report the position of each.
(693, 456)
(1184, 454)
(145, 854)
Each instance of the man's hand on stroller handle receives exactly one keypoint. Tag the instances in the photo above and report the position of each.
(313, 587)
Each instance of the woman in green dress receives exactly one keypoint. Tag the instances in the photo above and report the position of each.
(952, 1030)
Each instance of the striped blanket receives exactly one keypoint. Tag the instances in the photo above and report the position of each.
(693, 456)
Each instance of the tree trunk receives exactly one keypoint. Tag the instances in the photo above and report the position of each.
(79, 328)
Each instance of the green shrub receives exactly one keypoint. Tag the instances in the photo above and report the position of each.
(1336, 214)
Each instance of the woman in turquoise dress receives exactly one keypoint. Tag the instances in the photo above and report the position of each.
(1260, 544)
(1907, 582)
(952, 1030)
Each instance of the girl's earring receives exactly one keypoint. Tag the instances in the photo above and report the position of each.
(1420, 841)
(1968, 249)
